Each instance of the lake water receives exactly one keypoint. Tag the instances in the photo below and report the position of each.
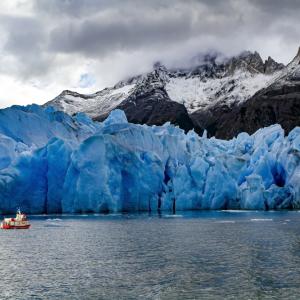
(205, 255)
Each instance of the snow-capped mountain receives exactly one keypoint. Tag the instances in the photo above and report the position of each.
(278, 102)
(183, 96)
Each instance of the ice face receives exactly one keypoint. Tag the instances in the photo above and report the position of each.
(53, 163)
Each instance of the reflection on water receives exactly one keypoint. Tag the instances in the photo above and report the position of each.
(205, 255)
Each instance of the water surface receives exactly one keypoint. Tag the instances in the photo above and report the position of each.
(205, 255)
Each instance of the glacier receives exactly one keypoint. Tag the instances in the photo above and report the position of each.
(51, 162)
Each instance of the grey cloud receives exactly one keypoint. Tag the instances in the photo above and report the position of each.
(24, 34)
(134, 26)
(100, 30)
(73, 8)
(83, 8)
(25, 45)
(278, 7)
(98, 37)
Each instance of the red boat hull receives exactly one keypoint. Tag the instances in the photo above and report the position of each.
(15, 227)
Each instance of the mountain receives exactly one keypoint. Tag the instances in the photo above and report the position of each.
(195, 97)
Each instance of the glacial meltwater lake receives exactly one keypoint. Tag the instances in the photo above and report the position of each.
(195, 255)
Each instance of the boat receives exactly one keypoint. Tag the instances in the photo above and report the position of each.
(19, 222)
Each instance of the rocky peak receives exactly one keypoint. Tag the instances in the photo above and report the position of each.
(272, 66)
(247, 61)
(253, 63)
(158, 66)
(296, 60)
(157, 78)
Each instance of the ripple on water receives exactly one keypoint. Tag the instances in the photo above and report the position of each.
(261, 220)
(173, 216)
(225, 221)
(54, 223)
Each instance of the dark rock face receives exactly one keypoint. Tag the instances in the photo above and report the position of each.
(210, 119)
(155, 108)
(281, 106)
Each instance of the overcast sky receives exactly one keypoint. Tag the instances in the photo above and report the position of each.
(47, 46)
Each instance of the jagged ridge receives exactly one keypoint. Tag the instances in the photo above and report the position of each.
(194, 97)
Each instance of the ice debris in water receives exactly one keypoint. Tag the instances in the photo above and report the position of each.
(53, 163)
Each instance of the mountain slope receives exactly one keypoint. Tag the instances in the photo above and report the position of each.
(94, 105)
(277, 103)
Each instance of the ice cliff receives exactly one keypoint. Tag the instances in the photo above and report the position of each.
(51, 163)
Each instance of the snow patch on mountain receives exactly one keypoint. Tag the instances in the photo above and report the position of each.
(197, 93)
(94, 104)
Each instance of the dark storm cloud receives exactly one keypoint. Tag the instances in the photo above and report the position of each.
(103, 36)
(75, 8)
(278, 7)
(82, 8)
